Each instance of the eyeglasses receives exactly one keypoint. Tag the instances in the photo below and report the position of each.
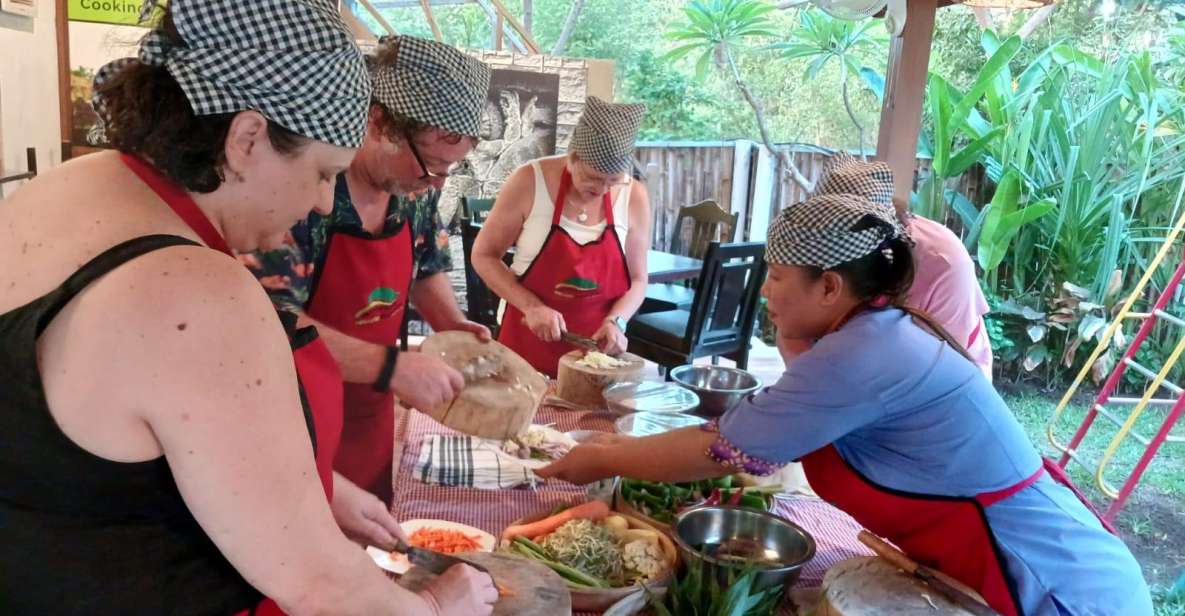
(588, 176)
(427, 175)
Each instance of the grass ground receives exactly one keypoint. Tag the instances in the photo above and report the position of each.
(1153, 520)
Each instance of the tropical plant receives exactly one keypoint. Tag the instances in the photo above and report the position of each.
(1086, 134)
(820, 38)
(948, 111)
(1003, 220)
(717, 30)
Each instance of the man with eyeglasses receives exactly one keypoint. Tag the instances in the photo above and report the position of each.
(353, 272)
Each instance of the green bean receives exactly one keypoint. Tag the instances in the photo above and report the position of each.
(534, 551)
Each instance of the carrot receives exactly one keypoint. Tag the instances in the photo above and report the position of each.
(592, 510)
(504, 591)
(443, 540)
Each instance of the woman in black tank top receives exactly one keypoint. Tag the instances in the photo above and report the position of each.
(156, 458)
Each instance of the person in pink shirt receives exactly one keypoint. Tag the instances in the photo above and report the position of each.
(944, 283)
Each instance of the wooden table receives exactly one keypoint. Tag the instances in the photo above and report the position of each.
(668, 267)
(492, 510)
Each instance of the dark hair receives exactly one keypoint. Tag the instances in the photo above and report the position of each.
(888, 272)
(149, 115)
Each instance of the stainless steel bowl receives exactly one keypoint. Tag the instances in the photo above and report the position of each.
(775, 539)
(718, 388)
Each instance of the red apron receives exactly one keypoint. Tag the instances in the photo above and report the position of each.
(946, 533)
(315, 369)
(580, 282)
(361, 291)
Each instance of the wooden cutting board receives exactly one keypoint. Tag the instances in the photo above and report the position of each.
(582, 385)
(538, 591)
(500, 405)
(870, 586)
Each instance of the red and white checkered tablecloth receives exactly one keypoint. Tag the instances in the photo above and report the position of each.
(492, 510)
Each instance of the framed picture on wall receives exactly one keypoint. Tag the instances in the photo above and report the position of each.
(24, 8)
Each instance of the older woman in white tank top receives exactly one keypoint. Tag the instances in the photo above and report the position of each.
(582, 228)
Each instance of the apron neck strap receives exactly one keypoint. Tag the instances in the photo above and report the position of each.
(562, 195)
(179, 201)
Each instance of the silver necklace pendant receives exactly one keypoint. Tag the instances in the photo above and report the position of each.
(582, 216)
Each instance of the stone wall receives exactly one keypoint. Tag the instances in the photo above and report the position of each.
(579, 78)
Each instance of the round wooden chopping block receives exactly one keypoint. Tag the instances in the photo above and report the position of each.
(502, 392)
(537, 590)
(582, 385)
(870, 586)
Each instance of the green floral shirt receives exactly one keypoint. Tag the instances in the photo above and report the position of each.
(288, 272)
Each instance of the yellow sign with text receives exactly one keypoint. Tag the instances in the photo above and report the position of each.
(118, 12)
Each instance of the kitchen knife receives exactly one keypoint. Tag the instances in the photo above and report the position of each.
(898, 559)
(434, 562)
(579, 341)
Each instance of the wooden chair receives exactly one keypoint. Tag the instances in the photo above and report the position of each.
(722, 315)
(31, 157)
(476, 208)
(709, 222)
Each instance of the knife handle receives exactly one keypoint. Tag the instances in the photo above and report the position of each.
(882, 548)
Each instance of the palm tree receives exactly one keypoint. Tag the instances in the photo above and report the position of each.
(821, 38)
(717, 29)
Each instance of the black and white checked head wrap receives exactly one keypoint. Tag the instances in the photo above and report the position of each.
(845, 174)
(432, 83)
(605, 134)
(293, 61)
(829, 230)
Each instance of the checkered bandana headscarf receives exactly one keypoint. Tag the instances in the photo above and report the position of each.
(432, 83)
(830, 230)
(604, 136)
(846, 174)
(291, 60)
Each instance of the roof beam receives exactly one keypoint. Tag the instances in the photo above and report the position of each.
(427, 6)
(532, 46)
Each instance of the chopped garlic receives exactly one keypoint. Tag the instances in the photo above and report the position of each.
(599, 360)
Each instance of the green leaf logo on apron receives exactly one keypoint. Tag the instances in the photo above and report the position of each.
(576, 286)
(380, 304)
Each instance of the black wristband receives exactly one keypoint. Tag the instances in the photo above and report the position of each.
(383, 383)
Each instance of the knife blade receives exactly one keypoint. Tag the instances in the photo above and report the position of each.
(898, 559)
(434, 562)
(579, 341)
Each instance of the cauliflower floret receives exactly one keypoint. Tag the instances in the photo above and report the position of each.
(643, 556)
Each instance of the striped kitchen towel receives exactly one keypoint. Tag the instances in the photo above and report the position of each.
(460, 460)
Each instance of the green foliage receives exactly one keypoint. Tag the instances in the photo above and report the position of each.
(676, 105)
(1090, 143)
(698, 593)
(1004, 220)
(820, 38)
(713, 26)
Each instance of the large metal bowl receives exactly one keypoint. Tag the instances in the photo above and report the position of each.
(777, 539)
(718, 388)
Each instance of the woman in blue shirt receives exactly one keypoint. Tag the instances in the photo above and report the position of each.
(894, 425)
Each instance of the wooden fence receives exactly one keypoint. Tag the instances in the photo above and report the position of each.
(743, 178)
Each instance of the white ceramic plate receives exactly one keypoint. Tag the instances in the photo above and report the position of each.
(397, 563)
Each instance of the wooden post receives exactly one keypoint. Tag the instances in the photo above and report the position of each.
(65, 106)
(427, 6)
(905, 92)
(499, 26)
(529, 41)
